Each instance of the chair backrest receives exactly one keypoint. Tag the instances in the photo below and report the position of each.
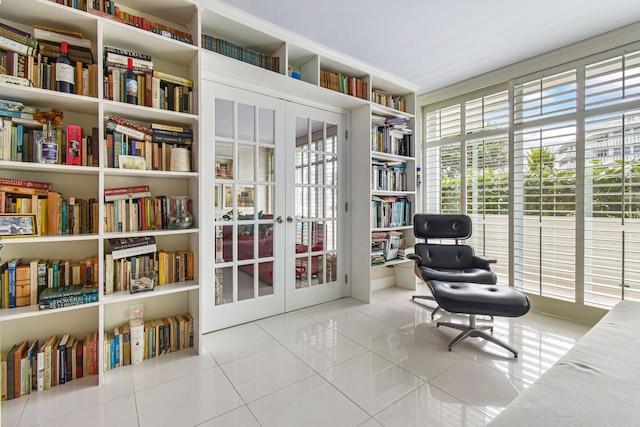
(442, 226)
(447, 257)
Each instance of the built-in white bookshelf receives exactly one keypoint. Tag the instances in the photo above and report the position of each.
(194, 62)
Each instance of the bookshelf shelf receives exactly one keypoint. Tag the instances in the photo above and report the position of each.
(383, 229)
(148, 174)
(44, 97)
(147, 114)
(151, 233)
(170, 288)
(50, 239)
(392, 262)
(31, 311)
(387, 111)
(43, 168)
(127, 37)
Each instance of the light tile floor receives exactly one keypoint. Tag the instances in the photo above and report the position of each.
(342, 363)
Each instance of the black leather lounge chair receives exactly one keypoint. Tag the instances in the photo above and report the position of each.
(459, 281)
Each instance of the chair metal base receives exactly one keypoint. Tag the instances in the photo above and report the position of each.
(430, 298)
(471, 330)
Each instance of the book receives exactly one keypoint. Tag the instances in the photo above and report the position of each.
(32, 369)
(40, 368)
(23, 285)
(28, 191)
(11, 268)
(108, 271)
(126, 341)
(55, 35)
(7, 43)
(170, 78)
(48, 362)
(42, 276)
(74, 145)
(122, 193)
(19, 352)
(28, 184)
(71, 359)
(16, 115)
(17, 35)
(11, 372)
(132, 246)
(137, 341)
(3, 375)
(62, 359)
(123, 52)
(128, 128)
(71, 301)
(117, 60)
(79, 354)
(65, 291)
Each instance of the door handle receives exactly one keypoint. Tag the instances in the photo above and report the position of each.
(289, 219)
(279, 220)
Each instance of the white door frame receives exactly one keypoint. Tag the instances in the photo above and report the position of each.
(318, 292)
(226, 315)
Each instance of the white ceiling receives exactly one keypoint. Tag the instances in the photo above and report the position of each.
(435, 43)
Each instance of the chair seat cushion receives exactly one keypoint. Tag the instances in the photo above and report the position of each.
(477, 298)
(473, 275)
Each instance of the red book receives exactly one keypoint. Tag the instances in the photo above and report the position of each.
(79, 357)
(28, 184)
(74, 145)
(125, 190)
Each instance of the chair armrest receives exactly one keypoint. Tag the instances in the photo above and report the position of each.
(416, 258)
(483, 261)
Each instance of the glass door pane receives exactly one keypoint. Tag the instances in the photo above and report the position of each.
(248, 132)
(317, 217)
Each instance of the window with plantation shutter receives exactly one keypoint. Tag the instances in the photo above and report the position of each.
(612, 208)
(545, 210)
(487, 194)
(443, 178)
(612, 81)
(545, 97)
(467, 168)
(555, 191)
(487, 112)
(443, 123)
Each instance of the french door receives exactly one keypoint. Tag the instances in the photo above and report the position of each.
(275, 191)
(315, 161)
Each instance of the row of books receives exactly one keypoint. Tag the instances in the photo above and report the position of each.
(385, 246)
(167, 267)
(32, 282)
(388, 176)
(154, 146)
(226, 48)
(20, 138)
(391, 135)
(30, 60)
(138, 213)
(156, 89)
(344, 84)
(388, 100)
(161, 336)
(43, 364)
(110, 10)
(390, 212)
(54, 214)
(71, 215)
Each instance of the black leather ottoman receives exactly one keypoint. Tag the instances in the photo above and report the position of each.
(474, 299)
